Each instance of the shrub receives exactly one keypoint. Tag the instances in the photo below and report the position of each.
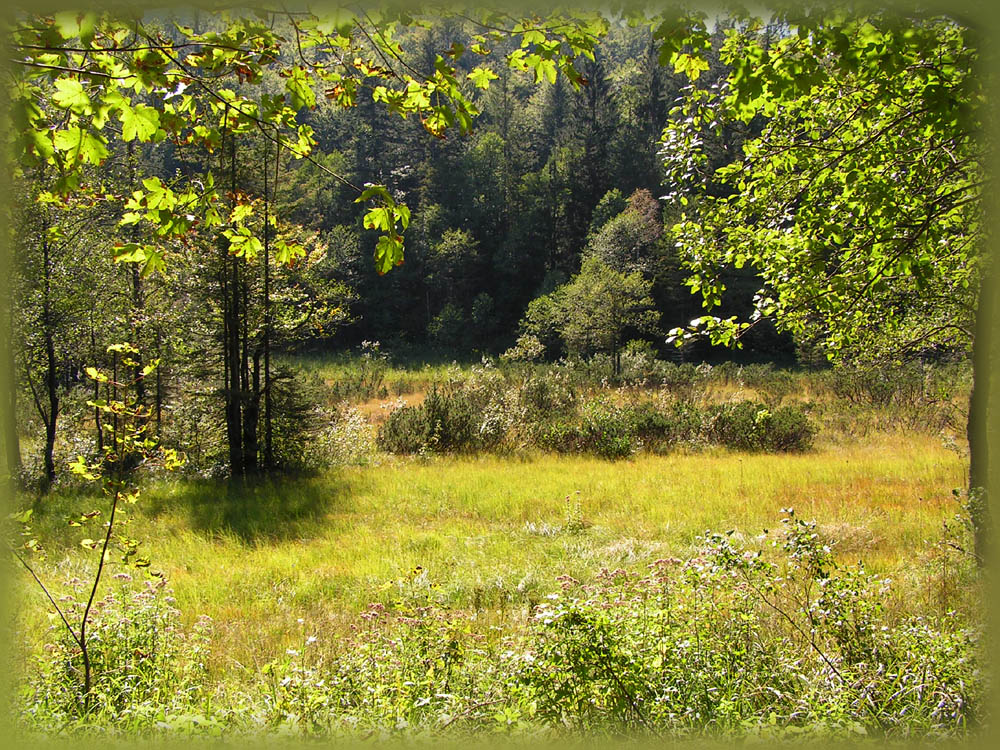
(772, 385)
(665, 425)
(603, 429)
(883, 384)
(447, 420)
(406, 430)
(348, 438)
(789, 429)
(751, 426)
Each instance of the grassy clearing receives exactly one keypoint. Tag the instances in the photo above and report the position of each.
(493, 534)
(334, 598)
(400, 375)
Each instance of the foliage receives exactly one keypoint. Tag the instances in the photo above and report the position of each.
(774, 639)
(81, 75)
(880, 223)
(148, 668)
(527, 348)
(683, 648)
(592, 312)
(601, 428)
(628, 242)
(752, 426)
(447, 420)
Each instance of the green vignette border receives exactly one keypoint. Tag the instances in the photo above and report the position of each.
(982, 15)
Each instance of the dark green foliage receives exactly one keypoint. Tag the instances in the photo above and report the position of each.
(405, 431)
(511, 409)
(602, 428)
(662, 428)
(296, 419)
(446, 421)
(751, 426)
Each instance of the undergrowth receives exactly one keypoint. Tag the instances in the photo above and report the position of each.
(772, 638)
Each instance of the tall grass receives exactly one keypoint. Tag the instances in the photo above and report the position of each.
(476, 543)
(495, 532)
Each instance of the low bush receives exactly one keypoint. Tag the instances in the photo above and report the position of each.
(446, 421)
(751, 426)
(601, 428)
(662, 426)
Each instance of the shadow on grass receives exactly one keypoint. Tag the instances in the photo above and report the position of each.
(255, 509)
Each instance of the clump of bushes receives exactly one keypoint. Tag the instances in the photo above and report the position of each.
(446, 422)
(751, 426)
(489, 414)
(602, 428)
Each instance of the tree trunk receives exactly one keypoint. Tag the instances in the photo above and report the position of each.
(234, 429)
(976, 428)
(251, 418)
(138, 305)
(138, 295)
(98, 425)
(159, 385)
(268, 444)
(51, 379)
(12, 441)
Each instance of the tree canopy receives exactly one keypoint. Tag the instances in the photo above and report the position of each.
(857, 197)
(859, 200)
(81, 76)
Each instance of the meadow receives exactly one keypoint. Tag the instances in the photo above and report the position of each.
(449, 591)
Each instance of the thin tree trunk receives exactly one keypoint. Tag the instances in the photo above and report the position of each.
(251, 417)
(159, 385)
(12, 441)
(51, 381)
(138, 295)
(138, 305)
(234, 391)
(98, 424)
(249, 385)
(268, 434)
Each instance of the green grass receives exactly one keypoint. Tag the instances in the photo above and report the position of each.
(491, 534)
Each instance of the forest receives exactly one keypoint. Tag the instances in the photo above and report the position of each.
(455, 372)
